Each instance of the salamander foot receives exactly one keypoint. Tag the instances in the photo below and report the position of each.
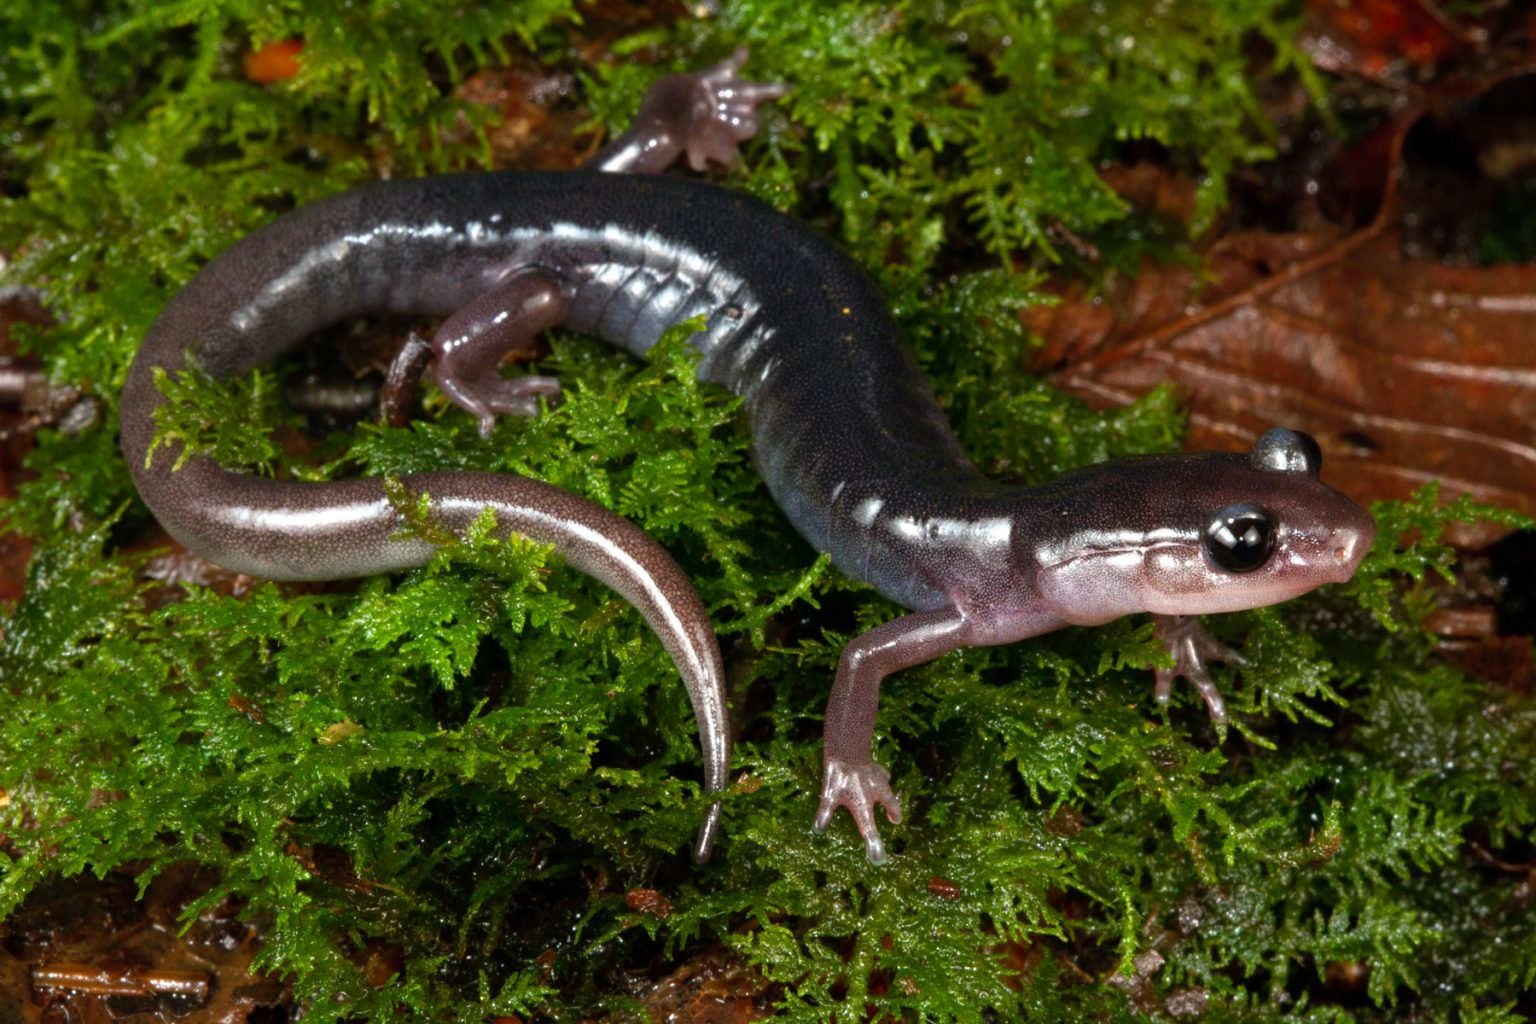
(859, 788)
(704, 115)
(732, 104)
(1191, 647)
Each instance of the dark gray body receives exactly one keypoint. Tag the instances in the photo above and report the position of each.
(847, 433)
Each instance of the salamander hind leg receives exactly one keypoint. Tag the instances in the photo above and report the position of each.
(468, 348)
(398, 395)
(706, 115)
(732, 112)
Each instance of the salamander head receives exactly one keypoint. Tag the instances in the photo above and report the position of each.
(1201, 533)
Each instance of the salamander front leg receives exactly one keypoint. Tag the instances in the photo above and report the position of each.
(851, 778)
(1191, 647)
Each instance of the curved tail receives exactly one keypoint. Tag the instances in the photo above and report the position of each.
(290, 530)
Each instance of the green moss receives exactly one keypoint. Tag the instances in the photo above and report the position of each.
(498, 748)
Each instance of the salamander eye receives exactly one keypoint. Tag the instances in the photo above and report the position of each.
(1290, 451)
(1240, 537)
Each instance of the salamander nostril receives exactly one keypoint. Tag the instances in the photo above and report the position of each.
(1350, 544)
(1344, 542)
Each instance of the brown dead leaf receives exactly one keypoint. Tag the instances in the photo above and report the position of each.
(533, 129)
(715, 987)
(1406, 369)
(1376, 38)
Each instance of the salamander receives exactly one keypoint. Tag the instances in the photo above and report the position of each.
(846, 431)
